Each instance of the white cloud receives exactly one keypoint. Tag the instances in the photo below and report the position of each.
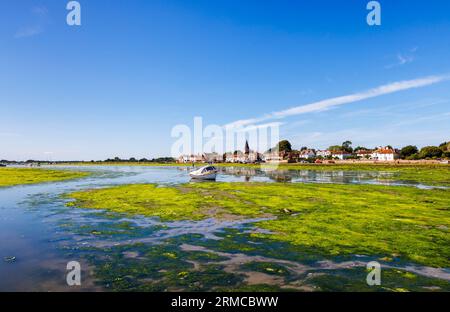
(259, 127)
(346, 99)
(404, 58)
(40, 10)
(40, 17)
(28, 32)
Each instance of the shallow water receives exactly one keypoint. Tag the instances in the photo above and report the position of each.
(122, 253)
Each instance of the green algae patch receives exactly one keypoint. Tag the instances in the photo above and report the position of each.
(168, 203)
(399, 223)
(392, 280)
(19, 176)
(266, 267)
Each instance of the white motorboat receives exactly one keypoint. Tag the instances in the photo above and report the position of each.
(204, 173)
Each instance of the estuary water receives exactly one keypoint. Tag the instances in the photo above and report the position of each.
(39, 235)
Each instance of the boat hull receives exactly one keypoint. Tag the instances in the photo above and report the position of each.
(211, 176)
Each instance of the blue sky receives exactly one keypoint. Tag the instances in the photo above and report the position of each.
(116, 85)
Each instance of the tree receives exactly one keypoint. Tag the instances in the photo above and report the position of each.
(408, 151)
(335, 148)
(360, 148)
(284, 146)
(347, 146)
(445, 147)
(430, 152)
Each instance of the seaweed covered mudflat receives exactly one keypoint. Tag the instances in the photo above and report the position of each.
(18, 176)
(299, 237)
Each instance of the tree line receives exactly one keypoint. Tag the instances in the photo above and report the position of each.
(409, 152)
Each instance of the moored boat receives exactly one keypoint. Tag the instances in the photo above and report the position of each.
(204, 173)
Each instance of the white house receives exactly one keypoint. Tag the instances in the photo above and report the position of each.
(364, 154)
(340, 154)
(307, 154)
(274, 156)
(236, 157)
(385, 154)
(229, 157)
(324, 153)
(190, 158)
(212, 157)
(253, 157)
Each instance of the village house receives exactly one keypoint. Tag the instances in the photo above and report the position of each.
(364, 154)
(324, 153)
(248, 156)
(212, 158)
(341, 155)
(273, 156)
(281, 156)
(228, 157)
(240, 157)
(236, 157)
(191, 158)
(307, 154)
(254, 157)
(385, 154)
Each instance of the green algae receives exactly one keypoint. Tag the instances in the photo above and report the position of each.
(392, 280)
(333, 220)
(19, 176)
(166, 267)
(155, 268)
(266, 267)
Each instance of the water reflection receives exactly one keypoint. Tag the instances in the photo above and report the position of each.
(313, 176)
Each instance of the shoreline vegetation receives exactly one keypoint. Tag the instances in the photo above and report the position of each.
(390, 223)
(431, 174)
(21, 176)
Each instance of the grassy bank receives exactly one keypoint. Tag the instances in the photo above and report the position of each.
(17, 176)
(388, 222)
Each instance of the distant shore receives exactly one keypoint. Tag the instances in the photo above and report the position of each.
(336, 163)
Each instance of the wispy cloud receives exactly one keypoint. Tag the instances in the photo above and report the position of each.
(40, 10)
(40, 17)
(342, 100)
(261, 126)
(397, 135)
(404, 58)
(398, 109)
(28, 32)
